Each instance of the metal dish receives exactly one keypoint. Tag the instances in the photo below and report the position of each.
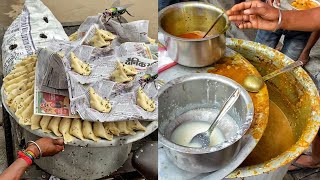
(291, 1)
(286, 4)
(189, 93)
(248, 141)
(188, 17)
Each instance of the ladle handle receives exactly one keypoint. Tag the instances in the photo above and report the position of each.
(214, 23)
(282, 70)
(225, 108)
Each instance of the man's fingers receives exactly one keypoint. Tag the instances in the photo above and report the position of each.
(246, 25)
(254, 11)
(241, 6)
(58, 141)
(59, 148)
(247, 5)
(239, 18)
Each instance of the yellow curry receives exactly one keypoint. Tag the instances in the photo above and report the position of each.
(271, 144)
(304, 4)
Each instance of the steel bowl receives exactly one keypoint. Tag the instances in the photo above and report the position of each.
(187, 17)
(291, 1)
(193, 97)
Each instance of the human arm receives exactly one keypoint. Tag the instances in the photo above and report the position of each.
(304, 56)
(259, 15)
(48, 146)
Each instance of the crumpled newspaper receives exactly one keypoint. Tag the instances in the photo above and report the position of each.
(25, 35)
(103, 62)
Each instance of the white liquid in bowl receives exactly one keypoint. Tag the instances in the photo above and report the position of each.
(183, 134)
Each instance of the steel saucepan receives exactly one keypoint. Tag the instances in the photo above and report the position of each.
(188, 17)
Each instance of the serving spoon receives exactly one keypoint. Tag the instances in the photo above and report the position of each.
(204, 138)
(214, 23)
(254, 83)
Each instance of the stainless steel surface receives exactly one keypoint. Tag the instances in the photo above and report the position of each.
(188, 17)
(83, 162)
(204, 137)
(214, 23)
(192, 93)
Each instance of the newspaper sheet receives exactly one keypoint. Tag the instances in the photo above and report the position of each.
(128, 47)
(51, 86)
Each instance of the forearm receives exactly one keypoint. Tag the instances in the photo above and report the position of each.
(307, 20)
(18, 167)
(312, 41)
(15, 170)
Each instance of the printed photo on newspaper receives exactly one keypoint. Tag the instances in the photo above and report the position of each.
(52, 104)
(51, 97)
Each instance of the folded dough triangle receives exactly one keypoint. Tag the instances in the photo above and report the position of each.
(54, 126)
(106, 35)
(111, 126)
(98, 41)
(64, 128)
(122, 126)
(129, 70)
(144, 101)
(98, 103)
(35, 122)
(79, 66)
(135, 125)
(88, 132)
(119, 74)
(100, 131)
(76, 128)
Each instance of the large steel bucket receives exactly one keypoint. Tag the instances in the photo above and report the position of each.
(299, 91)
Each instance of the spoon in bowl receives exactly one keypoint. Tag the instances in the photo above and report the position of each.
(203, 138)
(214, 23)
(254, 83)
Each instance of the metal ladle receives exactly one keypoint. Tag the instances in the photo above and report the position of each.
(214, 23)
(204, 138)
(254, 83)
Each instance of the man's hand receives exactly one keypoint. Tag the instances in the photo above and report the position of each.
(254, 14)
(48, 146)
(304, 57)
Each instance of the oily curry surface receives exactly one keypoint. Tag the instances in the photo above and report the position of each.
(237, 68)
(271, 144)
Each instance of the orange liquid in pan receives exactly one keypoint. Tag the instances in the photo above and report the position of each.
(192, 35)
